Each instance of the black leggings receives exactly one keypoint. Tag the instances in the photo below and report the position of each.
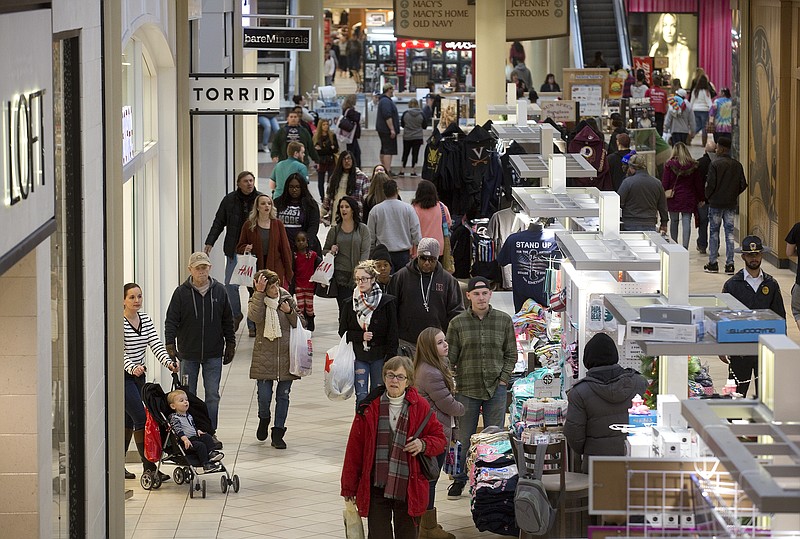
(411, 147)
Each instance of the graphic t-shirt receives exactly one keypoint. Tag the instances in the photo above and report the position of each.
(794, 238)
(529, 253)
(292, 218)
(658, 99)
(293, 133)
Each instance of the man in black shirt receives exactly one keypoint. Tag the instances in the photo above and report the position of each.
(618, 170)
(703, 165)
(757, 290)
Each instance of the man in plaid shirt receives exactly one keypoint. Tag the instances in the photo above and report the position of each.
(483, 351)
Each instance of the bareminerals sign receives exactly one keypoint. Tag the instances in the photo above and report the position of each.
(27, 210)
(277, 39)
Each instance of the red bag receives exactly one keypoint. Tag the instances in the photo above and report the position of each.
(152, 439)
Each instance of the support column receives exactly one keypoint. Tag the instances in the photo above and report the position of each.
(537, 60)
(490, 57)
(310, 64)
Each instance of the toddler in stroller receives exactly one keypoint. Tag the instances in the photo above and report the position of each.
(194, 440)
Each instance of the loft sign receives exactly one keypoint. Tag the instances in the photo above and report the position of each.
(23, 167)
(215, 94)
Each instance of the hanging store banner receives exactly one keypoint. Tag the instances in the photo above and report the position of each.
(232, 93)
(27, 211)
(277, 39)
(455, 19)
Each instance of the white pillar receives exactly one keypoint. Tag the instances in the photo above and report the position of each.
(490, 57)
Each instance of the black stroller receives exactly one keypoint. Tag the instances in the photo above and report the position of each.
(188, 468)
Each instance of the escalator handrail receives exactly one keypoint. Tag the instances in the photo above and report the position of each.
(575, 28)
(622, 33)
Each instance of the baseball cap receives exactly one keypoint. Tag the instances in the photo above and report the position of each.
(199, 258)
(478, 282)
(752, 244)
(627, 158)
(681, 92)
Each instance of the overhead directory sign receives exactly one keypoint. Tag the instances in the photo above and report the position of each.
(232, 93)
(455, 19)
(277, 39)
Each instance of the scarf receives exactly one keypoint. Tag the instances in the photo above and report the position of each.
(391, 464)
(272, 326)
(365, 303)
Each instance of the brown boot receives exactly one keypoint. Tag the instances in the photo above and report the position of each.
(128, 436)
(430, 529)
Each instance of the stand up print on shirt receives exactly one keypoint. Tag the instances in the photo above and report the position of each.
(531, 254)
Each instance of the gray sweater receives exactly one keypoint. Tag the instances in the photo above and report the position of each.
(642, 199)
(395, 224)
(414, 123)
(683, 122)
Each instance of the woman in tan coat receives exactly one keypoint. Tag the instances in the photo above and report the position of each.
(274, 311)
(264, 235)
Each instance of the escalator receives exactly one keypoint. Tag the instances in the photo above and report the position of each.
(600, 26)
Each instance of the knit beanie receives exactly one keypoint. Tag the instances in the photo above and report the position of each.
(599, 351)
(380, 252)
(428, 247)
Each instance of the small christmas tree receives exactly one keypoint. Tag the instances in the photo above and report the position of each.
(650, 368)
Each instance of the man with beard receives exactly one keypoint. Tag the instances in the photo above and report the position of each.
(231, 215)
(757, 290)
(427, 296)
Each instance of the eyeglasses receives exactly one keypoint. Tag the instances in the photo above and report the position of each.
(428, 258)
(398, 377)
(363, 279)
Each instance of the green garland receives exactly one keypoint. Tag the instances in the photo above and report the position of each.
(650, 372)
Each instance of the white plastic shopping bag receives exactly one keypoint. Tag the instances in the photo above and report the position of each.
(244, 271)
(324, 272)
(340, 373)
(353, 525)
(300, 351)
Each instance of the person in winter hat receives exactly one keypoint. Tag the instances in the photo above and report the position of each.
(600, 399)
(383, 263)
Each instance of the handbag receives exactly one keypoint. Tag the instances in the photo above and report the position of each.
(448, 263)
(429, 466)
(244, 270)
(301, 351)
(346, 130)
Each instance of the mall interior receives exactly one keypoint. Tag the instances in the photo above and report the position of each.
(119, 139)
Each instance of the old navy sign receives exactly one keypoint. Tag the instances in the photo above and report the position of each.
(217, 94)
(277, 39)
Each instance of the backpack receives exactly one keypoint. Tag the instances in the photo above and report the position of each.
(532, 508)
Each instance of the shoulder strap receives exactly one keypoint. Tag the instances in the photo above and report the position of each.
(538, 467)
(424, 422)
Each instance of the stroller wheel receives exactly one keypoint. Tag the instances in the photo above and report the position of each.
(178, 476)
(223, 484)
(203, 482)
(146, 480)
(191, 489)
(156, 480)
(235, 483)
(188, 474)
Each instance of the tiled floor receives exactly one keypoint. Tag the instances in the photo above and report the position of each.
(295, 493)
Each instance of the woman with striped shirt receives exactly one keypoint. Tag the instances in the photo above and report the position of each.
(139, 333)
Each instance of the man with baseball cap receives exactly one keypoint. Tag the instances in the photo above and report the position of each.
(483, 351)
(198, 330)
(427, 296)
(642, 197)
(756, 290)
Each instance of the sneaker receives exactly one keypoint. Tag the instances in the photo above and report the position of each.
(215, 456)
(401, 173)
(455, 490)
(129, 475)
(413, 174)
(211, 467)
(711, 268)
(217, 443)
(701, 250)
(729, 269)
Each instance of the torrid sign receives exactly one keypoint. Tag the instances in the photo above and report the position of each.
(27, 185)
(230, 93)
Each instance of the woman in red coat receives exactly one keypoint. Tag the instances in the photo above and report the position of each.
(265, 236)
(381, 442)
(682, 176)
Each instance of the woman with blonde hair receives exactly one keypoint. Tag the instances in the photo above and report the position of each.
(434, 381)
(375, 194)
(684, 187)
(264, 235)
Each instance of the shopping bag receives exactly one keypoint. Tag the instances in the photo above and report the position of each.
(244, 270)
(324, 272)
(353, 525)
(346, 130)
(152, 438)
(451, 462)
(300, 351)
(340, 364)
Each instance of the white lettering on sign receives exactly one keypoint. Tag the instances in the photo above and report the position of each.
(459, 45)
(219, 94)
(23, 151)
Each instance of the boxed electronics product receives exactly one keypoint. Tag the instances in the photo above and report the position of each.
(672, 314)
(643, 420)
(669, 412)
(639, 446)
(658, 331)
(743, 326)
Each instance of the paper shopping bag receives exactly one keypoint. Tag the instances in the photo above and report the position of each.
(244, 271)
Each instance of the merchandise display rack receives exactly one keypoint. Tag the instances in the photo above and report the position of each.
(536, 166)
(534, 110)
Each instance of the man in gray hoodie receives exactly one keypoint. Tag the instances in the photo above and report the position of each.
(600, 399)
(642, 198)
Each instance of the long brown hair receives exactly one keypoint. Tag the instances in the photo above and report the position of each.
(427, 353)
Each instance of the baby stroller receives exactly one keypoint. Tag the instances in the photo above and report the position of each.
(188, 468)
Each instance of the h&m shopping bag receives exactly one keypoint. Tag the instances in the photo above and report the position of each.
(340, 364)
(301, 351)
(324, 272)
(244, 270)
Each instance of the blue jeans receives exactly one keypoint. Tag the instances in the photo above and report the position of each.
(494, 413)
(135, 417)
(717, 217)
(233, 291)
(399, 260)
(702, 229)
(212, 374)
(637, 227)
(270, 125)
(686, 221)
(368, 376)
(700, 120)
(281, 400)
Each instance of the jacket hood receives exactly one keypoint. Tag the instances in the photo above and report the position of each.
(414, 112)
(453, 129)
(611, 383)
(479, 134)
(676, 166)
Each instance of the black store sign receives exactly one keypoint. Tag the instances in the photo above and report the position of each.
(277, 39)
